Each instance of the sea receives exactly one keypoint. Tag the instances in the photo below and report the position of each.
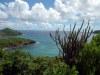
(44, 45)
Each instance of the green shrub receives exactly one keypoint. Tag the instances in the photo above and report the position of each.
(20, 63)
(70, 43)
(96, 40)
(89, 60)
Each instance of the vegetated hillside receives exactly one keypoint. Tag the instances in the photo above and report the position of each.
(21, 63)
(9, 32)
(96, 31)
(14, 42)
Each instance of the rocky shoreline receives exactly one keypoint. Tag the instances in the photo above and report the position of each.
(20, 45)
(12, 43)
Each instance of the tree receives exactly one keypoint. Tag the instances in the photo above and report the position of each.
(69, 44)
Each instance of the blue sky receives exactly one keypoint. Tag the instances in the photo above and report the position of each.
(47, 3)
(48, 14)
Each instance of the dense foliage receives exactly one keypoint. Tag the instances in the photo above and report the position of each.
(19, 63)
(70, 43)
(77, 51)
(89, 58)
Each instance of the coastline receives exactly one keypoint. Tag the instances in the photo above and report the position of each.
(21, 45)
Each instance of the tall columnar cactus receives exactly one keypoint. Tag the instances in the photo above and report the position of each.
(69, 44)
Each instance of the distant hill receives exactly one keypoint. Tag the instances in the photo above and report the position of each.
(15, 42)
(9, 32)
(96, 31)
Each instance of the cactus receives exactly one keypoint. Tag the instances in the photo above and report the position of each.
(70, 44)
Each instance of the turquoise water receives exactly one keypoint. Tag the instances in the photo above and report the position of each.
(44, 46)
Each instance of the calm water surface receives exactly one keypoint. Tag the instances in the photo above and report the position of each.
(44, 46)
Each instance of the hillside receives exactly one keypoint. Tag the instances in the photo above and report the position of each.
(96, 31)
(14, 42)
(9, 32)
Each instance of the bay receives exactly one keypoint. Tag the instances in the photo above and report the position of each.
(44, 46)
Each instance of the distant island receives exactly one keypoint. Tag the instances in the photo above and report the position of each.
(7, 42)
(96, 31)
(9, 32)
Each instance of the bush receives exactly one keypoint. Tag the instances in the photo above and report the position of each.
(70, 43)
(19, 63)
(60, 69)
(89, 60)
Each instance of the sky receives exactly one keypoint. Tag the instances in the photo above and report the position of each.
(48, 14)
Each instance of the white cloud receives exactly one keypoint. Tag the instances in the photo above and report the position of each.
(3, 15)
(53, 15)
(76, 9)
(62, 12)
(69, 9)
(94, 2)
(19, 9)
(40, 13)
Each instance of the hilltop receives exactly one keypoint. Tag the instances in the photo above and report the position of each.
(96, 31)
(12, 42)
(9, 32)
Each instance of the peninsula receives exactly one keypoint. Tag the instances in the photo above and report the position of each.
(9, 39)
